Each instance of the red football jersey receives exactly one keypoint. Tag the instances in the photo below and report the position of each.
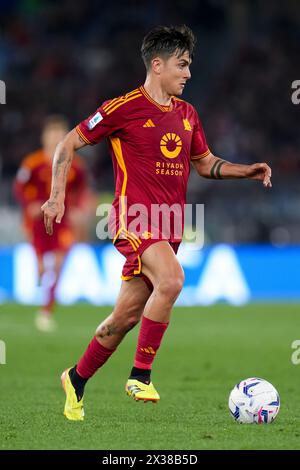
(33, 184)
(151, 147)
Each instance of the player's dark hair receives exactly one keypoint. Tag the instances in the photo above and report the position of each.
(164, 41)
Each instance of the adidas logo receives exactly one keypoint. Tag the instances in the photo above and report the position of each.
(149, 123)
(148, 350)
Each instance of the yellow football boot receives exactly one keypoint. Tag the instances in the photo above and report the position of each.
(141, 391)
(73, 408)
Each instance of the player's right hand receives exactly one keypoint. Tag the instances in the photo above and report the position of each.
(53, 210)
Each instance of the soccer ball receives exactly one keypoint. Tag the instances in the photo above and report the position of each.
(254, 401)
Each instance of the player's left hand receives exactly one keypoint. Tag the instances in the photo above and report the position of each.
(261, 172)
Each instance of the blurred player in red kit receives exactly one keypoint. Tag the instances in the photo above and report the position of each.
(153, 137)
(32, 186)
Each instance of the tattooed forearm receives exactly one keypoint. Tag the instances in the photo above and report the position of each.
(62, 156)
(61, 164)
(215, 171)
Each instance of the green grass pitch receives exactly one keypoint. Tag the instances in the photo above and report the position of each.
(204, 353)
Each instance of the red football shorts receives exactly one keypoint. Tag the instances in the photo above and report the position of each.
(61, 239)
(133, 249)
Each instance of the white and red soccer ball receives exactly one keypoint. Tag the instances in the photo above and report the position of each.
(254, 400)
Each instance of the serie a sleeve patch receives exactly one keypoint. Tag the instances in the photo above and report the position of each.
(95, 120)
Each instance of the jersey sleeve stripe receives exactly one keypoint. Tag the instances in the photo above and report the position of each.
(111, 102)
(123, 102)
(86, 140)
(202, 155)
(119, 99)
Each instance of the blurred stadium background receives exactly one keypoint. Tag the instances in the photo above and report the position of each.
(67, 57)
(62, 57)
